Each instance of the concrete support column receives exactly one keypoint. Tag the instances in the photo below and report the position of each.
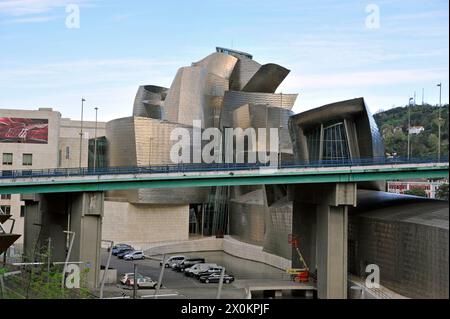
(86, 212)
(332, 251)
(320, 221)
(49, 215)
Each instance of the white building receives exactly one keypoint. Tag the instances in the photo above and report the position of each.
(430, 187)
(416, 130)
(39, 139)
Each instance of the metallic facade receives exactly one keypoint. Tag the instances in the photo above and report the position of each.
(197, 91)
(267, 79)
(260, 215)
(149, 100)
(139, 141)
(337, 131)
(235, 99)
(247, 217)
(407, 237)
(362, 135)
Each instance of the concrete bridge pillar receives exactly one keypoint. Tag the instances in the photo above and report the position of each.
(320, 219)
(49, 215)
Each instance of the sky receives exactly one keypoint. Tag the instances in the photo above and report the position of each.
(382, 50)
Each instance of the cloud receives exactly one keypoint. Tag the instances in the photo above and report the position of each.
(38, 19)
(82, 72)
(364, 79)
(31, 7)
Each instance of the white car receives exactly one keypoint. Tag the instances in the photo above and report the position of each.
(197, 268)
(128, 275)
(134, 255)
(142, 282)
(173, 260)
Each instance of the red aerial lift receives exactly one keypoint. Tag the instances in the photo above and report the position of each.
(298, 274)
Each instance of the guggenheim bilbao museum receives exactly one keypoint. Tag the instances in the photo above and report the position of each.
(229, 89)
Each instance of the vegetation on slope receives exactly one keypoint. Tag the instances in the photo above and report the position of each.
(393, 125)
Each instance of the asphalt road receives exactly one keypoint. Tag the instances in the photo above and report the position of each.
(177, 285)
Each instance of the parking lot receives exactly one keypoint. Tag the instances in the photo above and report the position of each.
(177, 285)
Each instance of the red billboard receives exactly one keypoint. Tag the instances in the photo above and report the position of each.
(22, 130)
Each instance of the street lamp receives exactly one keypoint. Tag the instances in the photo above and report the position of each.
(439, 121)
(81, 129)
(95, 139)
(409, 125)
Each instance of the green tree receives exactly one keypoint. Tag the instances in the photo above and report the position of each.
(416, 192)
(422, 145)
(442, 192)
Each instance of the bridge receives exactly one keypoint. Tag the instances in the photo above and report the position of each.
(204, 175)
(321, 191)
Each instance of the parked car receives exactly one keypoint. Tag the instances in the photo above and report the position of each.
(172, 260)
(134, 255)
(123, 253)
(215, 278)
(187, 263)
(209, 271)
(142, 282)
(128, 275)
(174, 264)
(119, 247)
(198, 268)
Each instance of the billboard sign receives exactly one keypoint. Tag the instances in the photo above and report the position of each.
(23, 130)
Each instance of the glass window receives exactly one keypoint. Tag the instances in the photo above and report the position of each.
(7, 158)
(335, 145)
(6, 196)
(329, 144)
(22, 211)
(27, 159)
(6, 209)
(67, 152)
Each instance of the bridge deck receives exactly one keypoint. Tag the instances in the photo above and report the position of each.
(232, 177)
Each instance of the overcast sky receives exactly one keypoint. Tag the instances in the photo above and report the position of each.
(336, 50)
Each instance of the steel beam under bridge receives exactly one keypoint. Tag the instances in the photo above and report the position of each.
(106, 182)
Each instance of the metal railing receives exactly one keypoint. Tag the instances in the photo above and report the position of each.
(185, 168)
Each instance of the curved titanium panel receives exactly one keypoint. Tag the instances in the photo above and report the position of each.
(245, 69)
(219, 64)
(267, 79)
(369, 141)
(363, 137)
(278, 227)
(236, 99)
(139, 141)
(247, 214)
(148, 101)
(185, 100)
(262, 116)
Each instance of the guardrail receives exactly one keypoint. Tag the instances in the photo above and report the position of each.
(182, 168)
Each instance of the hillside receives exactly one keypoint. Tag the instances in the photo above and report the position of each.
(393, 124)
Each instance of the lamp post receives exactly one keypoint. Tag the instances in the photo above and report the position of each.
(409, 126)
(439, 121)
(95, 139)
(81, 129)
